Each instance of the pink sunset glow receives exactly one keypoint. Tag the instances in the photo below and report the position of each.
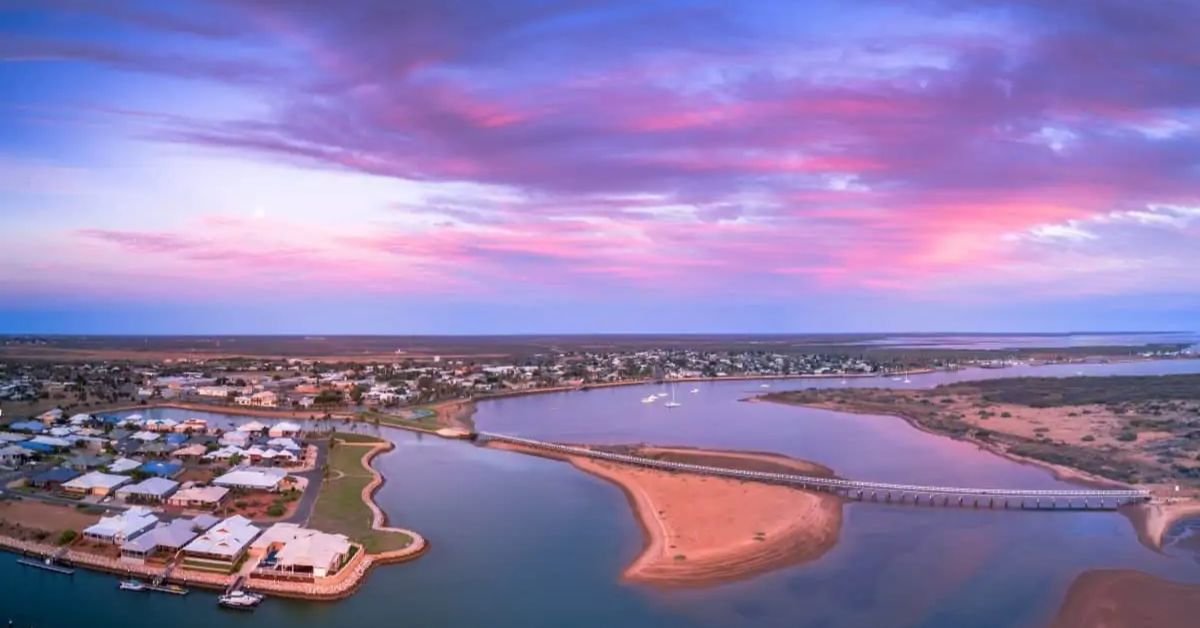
(959, 157)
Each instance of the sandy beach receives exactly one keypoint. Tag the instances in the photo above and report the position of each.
(702, 530)
(1118, 598)
(1152, 521)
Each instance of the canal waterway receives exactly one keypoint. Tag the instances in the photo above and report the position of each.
(519, 541)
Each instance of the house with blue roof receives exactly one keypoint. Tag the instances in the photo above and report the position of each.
(53, 478)
(38, 448)
(32, 427)
(161, 469)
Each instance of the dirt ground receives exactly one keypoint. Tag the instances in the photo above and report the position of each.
(34, 515)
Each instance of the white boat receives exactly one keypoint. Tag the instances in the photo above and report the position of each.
(764, 385)
(132, 585)
(672, 403)
(240, 600)
(650, 399)
(695, 390)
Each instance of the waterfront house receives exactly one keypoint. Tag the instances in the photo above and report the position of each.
(123, 465)
(160, 425)
(284, 429)
(252, 478)
(165, 539)
(284, 443)
(121, 527)
(221, 546)
(154, 490)
(52, 479)
(295, 552)
(37, 448)
(79, 420)
(95, 483)
(202, 497)
(13, 455)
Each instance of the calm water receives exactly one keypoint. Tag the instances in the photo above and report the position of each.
(520, 541)
(1031, 341)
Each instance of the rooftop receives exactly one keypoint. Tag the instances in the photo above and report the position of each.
(94, 480)
(228, 538)
(150, 487)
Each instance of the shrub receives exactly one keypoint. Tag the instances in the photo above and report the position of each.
(67, 536)
(1006, 415)
(276, 510)
(1087, 438)
(1127, 436)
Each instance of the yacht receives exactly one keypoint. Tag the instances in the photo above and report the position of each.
(672, 403)
(764, 385)
(695, 390)
(650, 399)
(132, 585)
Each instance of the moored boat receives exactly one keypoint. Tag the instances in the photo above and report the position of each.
(132, 585)
(240, 600)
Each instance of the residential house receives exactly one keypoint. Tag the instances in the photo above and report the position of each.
(95, 483)
(154, 490)
(161, 469)
(13, 455)
(284, 429)
(123, 465)
(203, 497)
(253, 478)
(293, 551)
(52, 479)
(32, 427)
(166, 539)
(121, 527)
(221, 546)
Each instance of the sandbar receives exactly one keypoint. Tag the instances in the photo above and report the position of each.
(703, 530)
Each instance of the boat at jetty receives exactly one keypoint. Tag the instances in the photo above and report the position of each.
(132, 585)
(240, 600)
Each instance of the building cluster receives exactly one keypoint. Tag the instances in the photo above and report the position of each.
(206, 543)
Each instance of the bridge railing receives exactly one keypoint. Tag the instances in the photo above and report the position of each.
(820, 482)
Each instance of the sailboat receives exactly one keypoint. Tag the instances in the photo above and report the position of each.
(906, 379)
(672, 403)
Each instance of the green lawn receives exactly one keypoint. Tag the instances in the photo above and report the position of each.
(422, 419)
(339, 505)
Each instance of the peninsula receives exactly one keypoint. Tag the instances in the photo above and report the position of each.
(704, 530)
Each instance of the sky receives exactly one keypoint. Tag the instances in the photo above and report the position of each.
(445, 166)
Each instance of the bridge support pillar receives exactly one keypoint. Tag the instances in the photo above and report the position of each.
(960, 500)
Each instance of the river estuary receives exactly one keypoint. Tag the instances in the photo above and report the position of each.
(518, 541)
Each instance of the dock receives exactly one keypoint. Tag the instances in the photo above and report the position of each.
(46, 564)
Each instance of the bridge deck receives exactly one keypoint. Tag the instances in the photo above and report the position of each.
(855, 488)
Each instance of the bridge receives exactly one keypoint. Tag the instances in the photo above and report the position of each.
(958, 496)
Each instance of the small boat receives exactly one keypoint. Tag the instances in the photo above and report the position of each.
(764, 385)
(695, 390)
(672, 403)
(844, 382)
(239, 600)
(132, 585)
(650, 399)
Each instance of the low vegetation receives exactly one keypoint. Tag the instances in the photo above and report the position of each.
(1142, 430)
(340, 507)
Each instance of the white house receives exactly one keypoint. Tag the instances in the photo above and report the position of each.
(222, 546)
(206, 497)
(253, 478)
(153, 490)
(302, 551)
(122, 527)
(13, 455)
(284, 429)
(95, 483)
